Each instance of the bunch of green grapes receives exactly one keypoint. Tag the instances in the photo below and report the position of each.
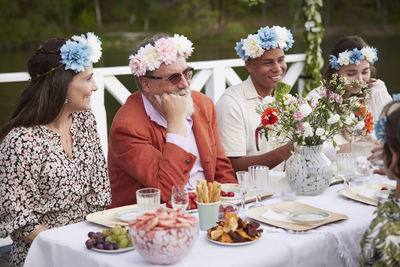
(119, 236)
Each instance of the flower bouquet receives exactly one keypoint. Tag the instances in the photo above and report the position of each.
(335, 107)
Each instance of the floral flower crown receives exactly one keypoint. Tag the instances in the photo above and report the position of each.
(380, 132)
(78, 53)
(266, 38)
(165, 50)
(353, 57)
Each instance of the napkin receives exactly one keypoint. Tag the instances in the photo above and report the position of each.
(364, 191)
(272, 215)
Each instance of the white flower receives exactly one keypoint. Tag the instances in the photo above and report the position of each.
(323, 137)
(150, 57)
(333, 119)
(315, 29)
(308, 131)
(268, 100)
(282, 35)
(368, 53)
(344, 58)
(183, 45)
(360, 125)
(319, 131)
(94, 44)
(252, 47)
(305, 109)
(349, 120)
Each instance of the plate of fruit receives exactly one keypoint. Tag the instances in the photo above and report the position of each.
(192, 206)
(114, 240)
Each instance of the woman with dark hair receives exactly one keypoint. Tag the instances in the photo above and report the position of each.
(52, 168)
(380, 245)
(353, 59)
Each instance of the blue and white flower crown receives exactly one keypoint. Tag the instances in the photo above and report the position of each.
(379, 126)
(353, 57)
(266, 38)
(81, 52)
(78, 54)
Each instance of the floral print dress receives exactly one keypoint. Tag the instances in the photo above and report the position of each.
(40, 184)
(380, 245)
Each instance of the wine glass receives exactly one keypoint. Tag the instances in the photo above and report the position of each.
(243, 180)
(258, 181)
(179, 197)
(345, 167)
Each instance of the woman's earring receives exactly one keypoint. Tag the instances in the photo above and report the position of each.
(66, 101)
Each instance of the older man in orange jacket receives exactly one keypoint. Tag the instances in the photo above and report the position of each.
(164, 134)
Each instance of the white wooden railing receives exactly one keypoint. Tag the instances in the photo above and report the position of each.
(214, 75)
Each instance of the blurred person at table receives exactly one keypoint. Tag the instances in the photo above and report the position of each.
(263, 53)
(351, 57)
(381, 242)
(52, 168)
(164, 134)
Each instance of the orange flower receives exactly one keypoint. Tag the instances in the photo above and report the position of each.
(269, 116)
(361, 111)
(369, 123)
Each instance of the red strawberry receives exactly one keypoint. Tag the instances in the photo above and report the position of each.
(223, 193)
(384, 188)
(192, 195)
(231, 194)
(194, 205)
(169, 204)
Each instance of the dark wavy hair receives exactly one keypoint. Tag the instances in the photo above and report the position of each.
(43, 98)
(345, 43)
(392, 129)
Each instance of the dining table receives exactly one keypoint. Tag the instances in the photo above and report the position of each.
(334, 244)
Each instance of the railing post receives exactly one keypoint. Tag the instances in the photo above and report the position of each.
(99, 111)
(215, 86)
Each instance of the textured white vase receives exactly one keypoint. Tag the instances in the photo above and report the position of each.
(308, 170)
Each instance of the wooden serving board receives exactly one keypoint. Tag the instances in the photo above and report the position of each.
(363, 199)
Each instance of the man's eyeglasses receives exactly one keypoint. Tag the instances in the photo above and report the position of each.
(176, 77)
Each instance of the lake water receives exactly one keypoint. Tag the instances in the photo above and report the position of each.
(388, 52)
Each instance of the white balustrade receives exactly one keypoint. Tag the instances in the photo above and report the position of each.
(213, 75)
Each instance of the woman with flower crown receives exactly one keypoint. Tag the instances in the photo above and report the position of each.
(263, 53)
(353, 59)
(52, 168)
(380, 245)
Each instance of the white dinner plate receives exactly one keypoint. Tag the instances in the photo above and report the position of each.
(232, 244)
(126, 215)
(309, 216)
(120, 250)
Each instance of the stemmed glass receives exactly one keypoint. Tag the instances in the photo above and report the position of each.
(179, 197)
(243, 180)
(258, 181)
(345, 167)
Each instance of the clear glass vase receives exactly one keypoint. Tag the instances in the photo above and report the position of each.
(308, 170)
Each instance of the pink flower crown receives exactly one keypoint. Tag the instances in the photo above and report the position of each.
(165, 50)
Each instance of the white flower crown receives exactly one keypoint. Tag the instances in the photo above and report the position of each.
(165, 50)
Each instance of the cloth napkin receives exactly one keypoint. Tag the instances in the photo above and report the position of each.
(365, 191)
(272, 215)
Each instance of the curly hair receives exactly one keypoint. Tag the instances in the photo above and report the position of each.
(392, 129)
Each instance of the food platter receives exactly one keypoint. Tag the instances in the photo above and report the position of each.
(232, 244)
(120, 250)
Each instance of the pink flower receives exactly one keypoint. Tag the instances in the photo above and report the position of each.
(166, 49)
(298, 116)
(337, 98)
(137, 66)
(300, 127)
(292, 100)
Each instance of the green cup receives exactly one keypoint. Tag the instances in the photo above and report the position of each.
(208, 214)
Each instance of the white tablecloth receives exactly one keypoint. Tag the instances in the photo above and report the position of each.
(336, 244)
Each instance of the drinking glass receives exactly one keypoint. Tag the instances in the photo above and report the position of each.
(361, 151)
(179, 197)
(258, 181)
(345, 167)
(148, 199)
(243, 180)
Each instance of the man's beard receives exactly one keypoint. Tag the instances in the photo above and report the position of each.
(189, 101)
